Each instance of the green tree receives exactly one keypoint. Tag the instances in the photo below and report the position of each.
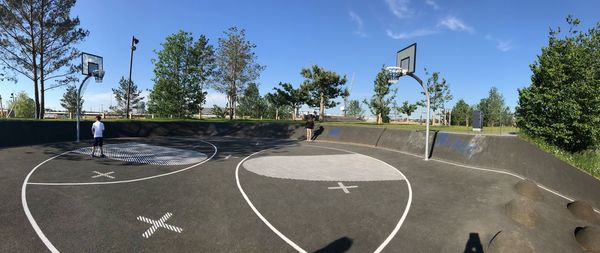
(37, 41)
(293, 97)
(439, 93)
(407, 109)
(120, 94)
(23, 106)
(324, 86)
(493, 108)
(182, 69)
(354, 109)
(251, 103)
(276, 102)
(379, 104)
(236, 66)
(69, 100)
(561, 104)
(461, 113)
(218, 111)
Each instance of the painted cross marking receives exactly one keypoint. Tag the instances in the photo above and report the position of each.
(342, 187)
(160, 223)
(100, 174)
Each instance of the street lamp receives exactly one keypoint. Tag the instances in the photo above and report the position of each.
(134, 41)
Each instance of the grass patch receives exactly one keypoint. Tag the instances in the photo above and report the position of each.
(588, 160)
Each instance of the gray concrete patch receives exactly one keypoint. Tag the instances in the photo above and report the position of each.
(340, 167)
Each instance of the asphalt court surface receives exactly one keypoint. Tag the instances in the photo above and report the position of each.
(234, 199)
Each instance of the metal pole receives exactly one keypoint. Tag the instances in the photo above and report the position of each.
(129, 83)
(78, 105)
(427, 121)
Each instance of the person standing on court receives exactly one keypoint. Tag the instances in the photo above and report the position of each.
(97, 131)
(310, 124)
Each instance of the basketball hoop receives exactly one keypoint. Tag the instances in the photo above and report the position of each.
(395, 73)
(98, 75)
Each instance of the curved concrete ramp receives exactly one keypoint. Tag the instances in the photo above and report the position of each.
(344, 167)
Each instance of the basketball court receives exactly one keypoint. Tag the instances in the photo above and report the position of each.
(262, 195)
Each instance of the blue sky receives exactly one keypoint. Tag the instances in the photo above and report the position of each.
(474, 44)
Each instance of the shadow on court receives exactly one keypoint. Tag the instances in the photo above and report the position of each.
(338, 246)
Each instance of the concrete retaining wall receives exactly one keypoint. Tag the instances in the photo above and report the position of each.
(20, 133)
(359, 135)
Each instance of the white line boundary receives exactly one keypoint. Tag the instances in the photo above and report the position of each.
(460, 165)
(137, 179)
(32, 221)
(294, 245)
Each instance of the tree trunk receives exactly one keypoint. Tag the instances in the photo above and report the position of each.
(34, 65)
(42, 75)
(276, 113)
(322, 108)
(379, 119)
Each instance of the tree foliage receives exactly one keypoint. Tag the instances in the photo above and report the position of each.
(278, 106)
(561, 104)
(293, 97)
(120, 94)
(23, 106)
(439, 93)
(354, 109)
(182, 69)
(69, 100)
(37, 41)
(495, 112)
(323, 87)
(379, 104)
(461, 113)
(236, 66)
(407, 109)
(251, 103)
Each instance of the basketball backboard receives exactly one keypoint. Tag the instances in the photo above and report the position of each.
(406, 58)
(91, 64)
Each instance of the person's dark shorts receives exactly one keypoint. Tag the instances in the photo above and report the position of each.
(98, 141)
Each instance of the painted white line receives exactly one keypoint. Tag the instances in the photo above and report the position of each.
(464, 166)
(160, 223)
(34, 224)
(137, 179)
(100, 174)
(294, 245)
(408, 202)
(264, 220)
(227, 157)
(342, 187)
(32, 221)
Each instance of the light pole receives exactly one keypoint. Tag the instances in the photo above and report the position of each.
(134, 42)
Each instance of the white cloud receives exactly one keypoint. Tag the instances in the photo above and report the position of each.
(359, 24)
(433, 4)
(455, 24)
(215, 98)
(502, 45)
(505, 45)
(400, 8)
(413, 34)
